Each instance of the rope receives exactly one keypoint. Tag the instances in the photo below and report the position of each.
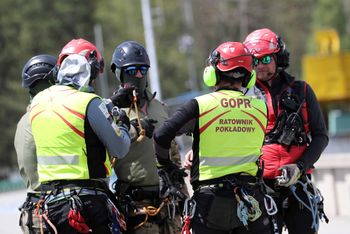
(44, 215)
(253, 213)
(50, 223)
(113, 162)
(41, 224)
(186, 227)
(38, 205)
(313, 200)
(253, 209)
(242, 212)
(142, 132)
(149, 211)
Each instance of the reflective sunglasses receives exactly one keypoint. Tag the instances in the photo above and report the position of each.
(132, 70)
(264, 60)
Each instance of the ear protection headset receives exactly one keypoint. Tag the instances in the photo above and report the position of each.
(210, 76)
(282, 54)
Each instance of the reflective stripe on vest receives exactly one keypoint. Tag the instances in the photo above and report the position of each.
(58, 160)
(232, 129)
(58, 130)
(226, 161)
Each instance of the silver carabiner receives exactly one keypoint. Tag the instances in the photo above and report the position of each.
(189, 208)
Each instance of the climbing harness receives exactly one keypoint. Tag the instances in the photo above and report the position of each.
(315, 200)
(188, 213)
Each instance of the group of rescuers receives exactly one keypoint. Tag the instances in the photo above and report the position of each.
(255, 140)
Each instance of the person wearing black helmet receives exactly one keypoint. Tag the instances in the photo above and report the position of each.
(38, 74)
(130, 63)
(137, 173)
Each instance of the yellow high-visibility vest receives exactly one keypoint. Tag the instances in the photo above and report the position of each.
(231, 133)
(58, 130)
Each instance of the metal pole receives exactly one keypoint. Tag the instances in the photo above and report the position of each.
(99, 44)
(149, 39)
(243, 18)
(187, 41)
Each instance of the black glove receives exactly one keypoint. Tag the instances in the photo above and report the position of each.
(122, 98)
(171, 180)
(175, 173)
(146, 124)
(122, 119)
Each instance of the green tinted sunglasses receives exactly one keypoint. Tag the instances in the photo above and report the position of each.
(264, 60)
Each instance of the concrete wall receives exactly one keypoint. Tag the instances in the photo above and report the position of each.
(332, 177)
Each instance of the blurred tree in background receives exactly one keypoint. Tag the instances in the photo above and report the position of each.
(185, 32)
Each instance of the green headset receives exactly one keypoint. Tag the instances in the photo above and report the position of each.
(210, 77)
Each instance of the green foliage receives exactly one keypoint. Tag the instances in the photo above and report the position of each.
(26, 30)
(329, 14)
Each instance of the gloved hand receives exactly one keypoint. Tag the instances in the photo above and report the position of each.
(290, 175)
(122, 98)
(171, 179)
(146, 124)
(175, 173)
(122, 119)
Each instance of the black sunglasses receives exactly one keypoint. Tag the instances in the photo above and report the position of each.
(132, 70)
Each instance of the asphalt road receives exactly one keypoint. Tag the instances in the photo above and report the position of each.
(10, 201)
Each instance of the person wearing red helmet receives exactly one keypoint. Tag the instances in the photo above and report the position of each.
(75, 137)
(228, 131)
(90, 52)
(296, 134)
